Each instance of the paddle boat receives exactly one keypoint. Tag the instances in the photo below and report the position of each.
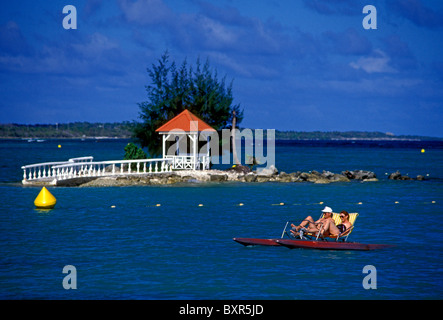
(307, 240)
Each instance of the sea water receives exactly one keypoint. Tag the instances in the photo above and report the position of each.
(175, 241)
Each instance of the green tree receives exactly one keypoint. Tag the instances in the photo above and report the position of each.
(174, 89)
(132, 152)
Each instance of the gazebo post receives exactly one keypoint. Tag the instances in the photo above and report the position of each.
(193, 138)
(164, 145)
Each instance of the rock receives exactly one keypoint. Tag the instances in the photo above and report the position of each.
(370, 180)
(284, 177)
(304, 176)
(363, 174)
(395, 175)
(261, 178)
(110, 167)
(359, 174)
(348, 174)
(398, 176)
(314, 176)
(327, 174)
(239, 169)
(420, 177)
(295, 176)
(250, 177)
(218, 177)
(187, 179)
(268, 171)
(241, 174)
(339, 178)
(322, 181)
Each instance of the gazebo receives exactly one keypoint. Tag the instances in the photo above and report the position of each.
(183, 128)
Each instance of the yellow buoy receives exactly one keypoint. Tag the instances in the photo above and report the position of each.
(422, 150)
(59, 146)
(45, 200)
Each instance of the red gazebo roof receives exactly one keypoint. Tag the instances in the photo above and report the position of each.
(185, 121)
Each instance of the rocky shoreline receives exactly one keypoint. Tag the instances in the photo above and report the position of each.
(238, 174)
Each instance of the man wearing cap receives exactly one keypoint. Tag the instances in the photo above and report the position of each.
(313, 226)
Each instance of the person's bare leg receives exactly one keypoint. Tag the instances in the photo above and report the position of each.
(303, 223)
(329, 228)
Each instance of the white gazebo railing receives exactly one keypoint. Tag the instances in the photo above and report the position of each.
(79, 169)
(182, 162)
(45, 170)
(204, 161)
(189, 162)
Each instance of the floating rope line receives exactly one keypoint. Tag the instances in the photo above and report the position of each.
(281, 204)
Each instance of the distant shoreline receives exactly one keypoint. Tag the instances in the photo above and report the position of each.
(356, 139)
(123, 130)
(38, 139)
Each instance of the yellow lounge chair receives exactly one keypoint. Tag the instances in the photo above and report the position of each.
(343, 235)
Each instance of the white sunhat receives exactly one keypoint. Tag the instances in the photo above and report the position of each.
(327, 209)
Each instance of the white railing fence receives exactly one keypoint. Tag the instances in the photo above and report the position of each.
(45, 170)
(85, 167)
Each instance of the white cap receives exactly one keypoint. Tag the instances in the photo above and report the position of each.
(327, 209)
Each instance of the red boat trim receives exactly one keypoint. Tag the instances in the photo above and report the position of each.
(329, 245)
(257, 242)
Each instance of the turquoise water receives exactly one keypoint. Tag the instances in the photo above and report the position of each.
(180, 250)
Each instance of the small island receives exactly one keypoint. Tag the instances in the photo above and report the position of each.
(185, 164)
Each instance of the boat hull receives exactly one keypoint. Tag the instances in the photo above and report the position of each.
(257, 242)
(329, 245)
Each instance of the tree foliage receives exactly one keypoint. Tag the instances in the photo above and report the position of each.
(174, 89)
(132, 152)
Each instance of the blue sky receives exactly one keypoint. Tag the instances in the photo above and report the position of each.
(297, 65)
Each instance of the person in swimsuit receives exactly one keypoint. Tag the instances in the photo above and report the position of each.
(314, 226)
(330, 229)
